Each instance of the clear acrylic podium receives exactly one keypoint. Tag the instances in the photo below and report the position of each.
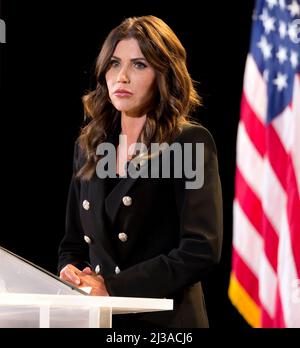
(33, 297)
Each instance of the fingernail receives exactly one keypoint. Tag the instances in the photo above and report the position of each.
(77, 281)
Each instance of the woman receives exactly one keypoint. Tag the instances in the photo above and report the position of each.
(143, 236)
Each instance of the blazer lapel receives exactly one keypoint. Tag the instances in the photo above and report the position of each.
(114, 198)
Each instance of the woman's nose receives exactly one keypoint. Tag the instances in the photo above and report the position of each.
(123, 76)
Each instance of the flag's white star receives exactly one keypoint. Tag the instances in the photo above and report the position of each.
(280, 81)
(293, 32)
(264, 16)
(271, 3)
(269, 23)
(294, 8)
(282, 29)
(282, 4)
(281, 54)
(266, 75)
(294, 59)
(265, 47)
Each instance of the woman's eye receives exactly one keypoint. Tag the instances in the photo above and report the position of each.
(140, 65)
(114, 63)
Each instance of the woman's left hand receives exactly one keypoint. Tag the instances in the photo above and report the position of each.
(88, 278)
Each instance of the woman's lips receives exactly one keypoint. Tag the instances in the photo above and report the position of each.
(122, 93)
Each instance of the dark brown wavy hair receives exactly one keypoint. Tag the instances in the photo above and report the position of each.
(176, 96)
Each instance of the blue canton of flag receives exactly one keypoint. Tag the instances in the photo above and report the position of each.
(275, 47)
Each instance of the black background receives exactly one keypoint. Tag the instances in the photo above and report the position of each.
(47, 65)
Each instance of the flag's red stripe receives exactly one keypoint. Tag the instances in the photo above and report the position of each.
(278, 320)
(248, 200)
(251, 206)
(245, 276)
(267, 140)
(282, 164)
(293, 209)
(266, 320)
(279, 316)
(277, 155)
(254, 127)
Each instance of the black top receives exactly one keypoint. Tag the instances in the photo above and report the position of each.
(112, 182)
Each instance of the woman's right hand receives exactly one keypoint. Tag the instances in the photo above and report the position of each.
(70, 274)
(85, 278)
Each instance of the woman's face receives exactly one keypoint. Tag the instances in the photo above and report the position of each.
(130, 79)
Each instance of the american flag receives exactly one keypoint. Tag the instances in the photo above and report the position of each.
(265, 276)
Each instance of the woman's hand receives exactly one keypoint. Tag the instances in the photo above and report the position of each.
(84, 278)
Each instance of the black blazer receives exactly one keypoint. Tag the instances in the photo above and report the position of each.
(173, 236)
